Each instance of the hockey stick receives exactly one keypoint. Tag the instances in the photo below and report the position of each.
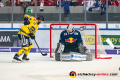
(38, 46)
(39, 49)
(111, 44)
(83, 38)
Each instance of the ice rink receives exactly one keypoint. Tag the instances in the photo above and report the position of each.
(44, 68)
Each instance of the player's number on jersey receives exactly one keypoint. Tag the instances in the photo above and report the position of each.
(32, 28)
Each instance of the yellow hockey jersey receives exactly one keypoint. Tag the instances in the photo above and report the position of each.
(31, 28)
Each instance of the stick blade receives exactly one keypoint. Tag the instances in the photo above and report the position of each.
(45, 54)
(116, 47)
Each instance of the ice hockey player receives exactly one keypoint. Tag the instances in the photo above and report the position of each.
(27, 31)
(70, 41)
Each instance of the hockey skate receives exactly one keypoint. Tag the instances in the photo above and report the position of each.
(16, 59)
(24, 58)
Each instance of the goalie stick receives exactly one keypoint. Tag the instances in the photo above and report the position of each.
(38, 46)
(111, 44)
(82, 34)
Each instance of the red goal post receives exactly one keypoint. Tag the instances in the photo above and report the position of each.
(76, 24)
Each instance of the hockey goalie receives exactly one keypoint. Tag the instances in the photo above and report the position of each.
(70, 42)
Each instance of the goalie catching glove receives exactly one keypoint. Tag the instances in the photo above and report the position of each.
(32, 36)
(82, 48)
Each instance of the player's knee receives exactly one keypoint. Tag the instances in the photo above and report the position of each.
(27, 51)
(21, 51)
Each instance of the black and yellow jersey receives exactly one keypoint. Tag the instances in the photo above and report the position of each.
(31, 28)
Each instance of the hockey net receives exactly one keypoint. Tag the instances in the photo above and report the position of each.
(90, 35)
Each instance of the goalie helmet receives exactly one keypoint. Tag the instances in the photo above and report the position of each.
(70, 28)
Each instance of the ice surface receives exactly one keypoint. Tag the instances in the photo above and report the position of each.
(44, 68)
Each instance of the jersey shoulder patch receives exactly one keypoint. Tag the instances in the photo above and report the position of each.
(34, 18)
(76, 32)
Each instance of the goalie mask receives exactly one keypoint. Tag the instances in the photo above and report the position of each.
(70, 28)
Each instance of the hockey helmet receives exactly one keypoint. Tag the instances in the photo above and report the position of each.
(40, 18)
(70, 28)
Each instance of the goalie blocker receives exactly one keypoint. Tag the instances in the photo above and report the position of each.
(82, 51)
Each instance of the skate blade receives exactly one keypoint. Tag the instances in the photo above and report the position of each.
(16, 61)
(25, 60)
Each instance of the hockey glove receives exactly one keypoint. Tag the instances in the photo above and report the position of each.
(26, 21)
(32, 36)
(82, 48)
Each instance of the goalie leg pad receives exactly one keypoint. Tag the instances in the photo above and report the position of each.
(82, 48)
(88, 56)
(60, 49)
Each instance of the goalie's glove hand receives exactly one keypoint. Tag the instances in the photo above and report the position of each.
(26, 21)
(32, 36)
(82, 48)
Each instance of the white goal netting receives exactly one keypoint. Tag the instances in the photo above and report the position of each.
(90, 35)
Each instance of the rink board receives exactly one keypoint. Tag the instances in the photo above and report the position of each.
(9, 41)
(47, 50)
